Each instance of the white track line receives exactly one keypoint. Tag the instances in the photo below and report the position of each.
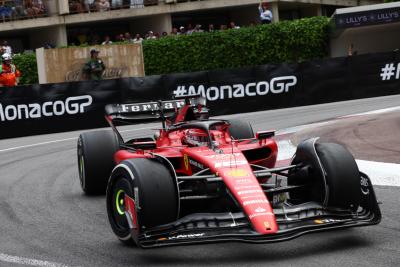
(378, 111)
(63, 140)
(26, 261)
(37, 144)
(381, 173)
(298, 128)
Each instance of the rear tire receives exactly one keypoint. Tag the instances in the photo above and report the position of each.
(339, 173)
(153, 188)
(96, 160)
(240, 129)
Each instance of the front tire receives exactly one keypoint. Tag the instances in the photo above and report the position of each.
(332, 175)
(152, 187)
(96, 160)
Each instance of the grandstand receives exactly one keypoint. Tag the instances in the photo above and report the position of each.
(29, 24)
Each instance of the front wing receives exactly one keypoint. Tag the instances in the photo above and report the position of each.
(293, 221)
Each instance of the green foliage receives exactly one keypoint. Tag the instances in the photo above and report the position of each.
(286, 41)
(26, 63)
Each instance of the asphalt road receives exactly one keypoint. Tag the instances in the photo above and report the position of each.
(45, 216)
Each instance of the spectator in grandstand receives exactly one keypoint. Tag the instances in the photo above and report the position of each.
(164, 34)
(82, 37)
(89, 5)
(265, 13)
(95, 67)
(128, 37)
(119, 38)
(181, 30)
(9, 74)
(18, 9)
(223, 27)
(197, 28)
(6, 11)
(189, 29)
(116, 4)
(77, 6)
(6, 48)
(211, 28)
(34, 8)
(39, 7)
(136, 4)
(48, 46)
(107, 40)
(151, 35)
(103, 5)
(174, 31)
(232, 25)
(138, 39)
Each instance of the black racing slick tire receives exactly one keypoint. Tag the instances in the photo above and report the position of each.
(152, 187)
(332, 175)
(96, 160)
(239, 129)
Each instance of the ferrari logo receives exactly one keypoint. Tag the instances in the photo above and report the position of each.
(238, 173)
(267, 225)
(186, 161)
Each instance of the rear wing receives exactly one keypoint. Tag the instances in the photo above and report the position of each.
(143, 111)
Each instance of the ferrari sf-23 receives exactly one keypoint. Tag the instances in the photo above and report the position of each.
(200, 180)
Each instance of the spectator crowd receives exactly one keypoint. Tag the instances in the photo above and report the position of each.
(265, 17)
(21, 9)
(127, 37)
(82, 6)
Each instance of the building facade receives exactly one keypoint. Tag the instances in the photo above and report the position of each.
(366, 29)
(73, 22)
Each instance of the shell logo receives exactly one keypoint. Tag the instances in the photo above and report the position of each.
(238, 173)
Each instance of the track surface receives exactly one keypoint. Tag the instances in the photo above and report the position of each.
(44, 215)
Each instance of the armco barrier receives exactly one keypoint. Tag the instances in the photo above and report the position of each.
(27, 110)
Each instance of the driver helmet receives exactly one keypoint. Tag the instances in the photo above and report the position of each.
(6, 57)
(196, 137)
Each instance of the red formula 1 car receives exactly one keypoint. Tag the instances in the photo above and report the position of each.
(202, 180)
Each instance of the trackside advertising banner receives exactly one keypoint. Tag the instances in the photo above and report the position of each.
(26, 110)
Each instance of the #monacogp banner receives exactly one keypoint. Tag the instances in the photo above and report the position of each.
(26, 110)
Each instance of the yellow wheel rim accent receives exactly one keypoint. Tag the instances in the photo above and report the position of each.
(119, 203)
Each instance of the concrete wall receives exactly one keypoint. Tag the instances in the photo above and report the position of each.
(65, 64)
(160, 23)
(56, 35)
(368, 39)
